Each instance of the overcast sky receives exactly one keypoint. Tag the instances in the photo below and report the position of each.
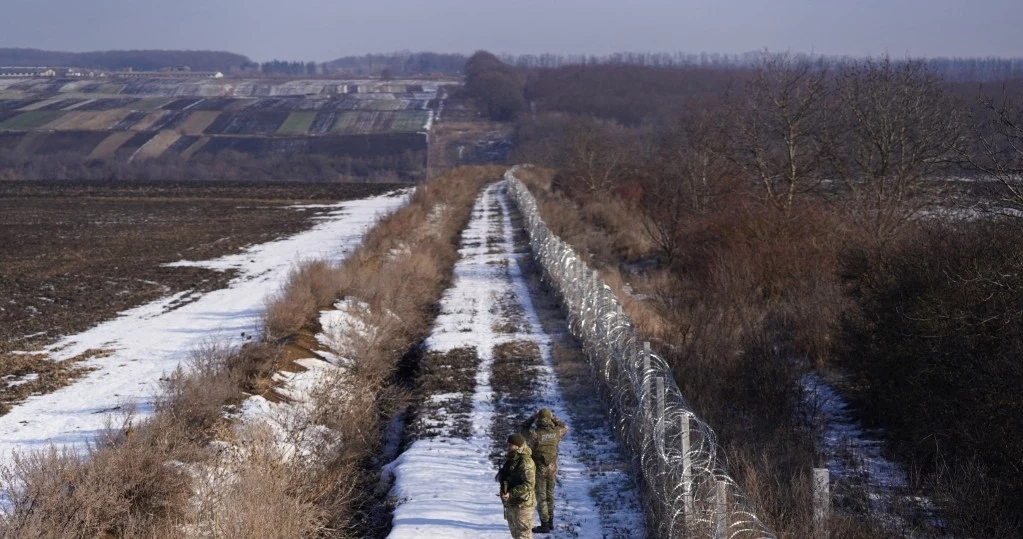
(325, 29)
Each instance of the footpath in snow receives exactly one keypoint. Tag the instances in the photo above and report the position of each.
(153, 339)
(444, 482)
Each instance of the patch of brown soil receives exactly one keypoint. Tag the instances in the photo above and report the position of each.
(158, 144)
(198, 121)
(147, 123)
(88, 120)
(515, 371)
(446, 382)
(23, 375)
(111, 144)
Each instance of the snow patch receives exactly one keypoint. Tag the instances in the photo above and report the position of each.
(153, 339)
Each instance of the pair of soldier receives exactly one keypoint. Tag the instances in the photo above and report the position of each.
(529, 473)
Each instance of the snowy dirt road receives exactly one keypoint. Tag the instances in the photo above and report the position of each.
(498, 352)
(146, 342)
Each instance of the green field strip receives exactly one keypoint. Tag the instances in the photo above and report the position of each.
(29, 142)
(40, 104)
(114, 89)
(409, 121)
(80, 104)
(298, 123)
(382, 122)
(385, 104)
(31, 120)
(195, 147)
(151, 103)
(347, 121)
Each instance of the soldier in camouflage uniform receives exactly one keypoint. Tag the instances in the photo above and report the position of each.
(518, 478)
(545, 439)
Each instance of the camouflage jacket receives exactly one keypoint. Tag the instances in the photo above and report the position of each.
(518, 478)
(545, 439)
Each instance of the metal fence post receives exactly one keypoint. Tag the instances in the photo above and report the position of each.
(721, 511)
(644, 380)
(821, 502)
(687, 466)
(659, 430)
(595, 292)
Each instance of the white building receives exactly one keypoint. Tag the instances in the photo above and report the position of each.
(26, 72)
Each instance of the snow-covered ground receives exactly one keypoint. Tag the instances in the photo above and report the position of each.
(855, 461)
(444, 485)
(148, 341)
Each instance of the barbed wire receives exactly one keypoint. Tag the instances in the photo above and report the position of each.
(687, 492)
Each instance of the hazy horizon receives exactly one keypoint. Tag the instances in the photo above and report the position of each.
(322, 30)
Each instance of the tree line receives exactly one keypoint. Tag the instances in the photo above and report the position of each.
(116, 60)
(398, 63)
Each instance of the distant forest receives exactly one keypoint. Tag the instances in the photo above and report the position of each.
(140, 60)
(398, 63)
(417, 63)
(406, 63)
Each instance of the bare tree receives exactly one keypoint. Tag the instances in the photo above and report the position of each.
(778, 123)
(999, 132)
(688, 174)
(598, 155)
(895, 127)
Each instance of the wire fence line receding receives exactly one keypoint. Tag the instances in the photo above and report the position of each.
(687, 492)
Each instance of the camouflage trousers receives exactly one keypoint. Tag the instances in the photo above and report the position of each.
(520, 520)
(546, 476)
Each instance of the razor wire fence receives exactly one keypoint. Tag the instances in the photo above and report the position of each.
(687, 492)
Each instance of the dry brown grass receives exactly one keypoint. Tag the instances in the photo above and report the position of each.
(309, 287)
(748, 294)
(398, 273)
(251, 492)
(129, 483)
(162, 477)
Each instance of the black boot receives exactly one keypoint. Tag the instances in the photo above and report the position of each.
(544, 527)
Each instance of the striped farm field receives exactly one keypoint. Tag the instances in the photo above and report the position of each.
(30, 120)
(146, 123)
(198, 121)
(298, 123)
(151, 103)
(40, 105)
(109, 146)
(346, 121)
(409, 120)
(195, 147)
(323, 123)
(111, 89)
(88, 120)
(351, 122)
(157, 145)
(385, 104)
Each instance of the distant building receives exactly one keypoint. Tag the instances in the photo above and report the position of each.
(23, 72)
(170, 74)
(78, 72)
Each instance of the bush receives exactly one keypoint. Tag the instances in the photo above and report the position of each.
(935, 349)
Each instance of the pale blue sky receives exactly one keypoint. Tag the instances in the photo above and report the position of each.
(325, 29)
